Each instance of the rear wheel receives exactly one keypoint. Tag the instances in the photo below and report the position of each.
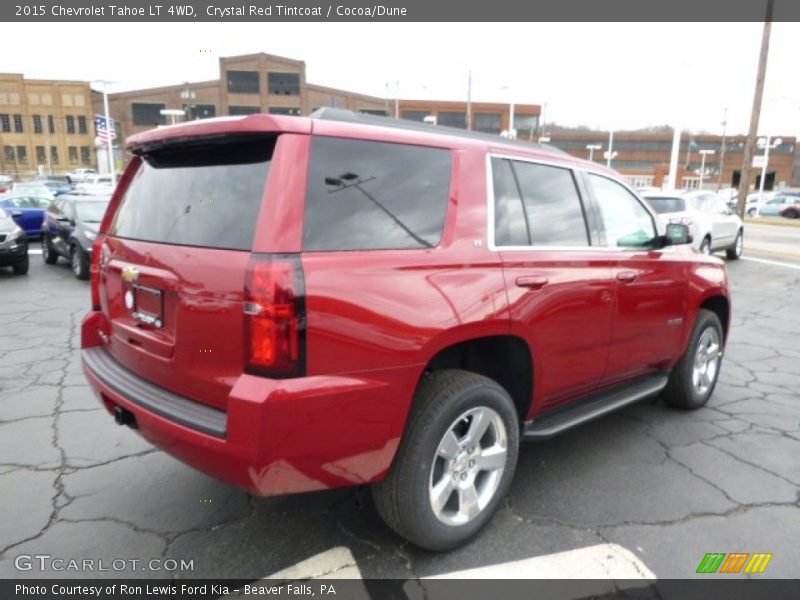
(735, 251)
(455, 462)
(751, 212)
(790, 214)
(692, 381)
(49, 254)
(21, 268)
(79, 262)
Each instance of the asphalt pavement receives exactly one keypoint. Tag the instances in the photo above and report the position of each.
(646, 492)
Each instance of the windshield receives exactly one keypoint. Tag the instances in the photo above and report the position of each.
(667, 205)
(90, 212)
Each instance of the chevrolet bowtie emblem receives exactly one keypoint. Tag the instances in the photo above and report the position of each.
(130, 274)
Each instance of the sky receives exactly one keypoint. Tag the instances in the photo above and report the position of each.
(603, 75)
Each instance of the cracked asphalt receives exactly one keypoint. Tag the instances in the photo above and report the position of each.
(666, 485)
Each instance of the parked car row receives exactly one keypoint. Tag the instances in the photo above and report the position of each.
(67, 225)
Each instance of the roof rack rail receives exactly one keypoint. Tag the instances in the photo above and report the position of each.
(349, 116)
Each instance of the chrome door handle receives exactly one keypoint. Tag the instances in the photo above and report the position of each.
(627, 276)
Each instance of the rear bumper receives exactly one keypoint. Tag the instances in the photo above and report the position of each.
(276, 436)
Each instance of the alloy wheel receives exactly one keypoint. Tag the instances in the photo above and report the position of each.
(706, 361)
(468, 466)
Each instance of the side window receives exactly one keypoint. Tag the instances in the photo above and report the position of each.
(366, 195)
(510, 222)
(626, 222)
(536, 205)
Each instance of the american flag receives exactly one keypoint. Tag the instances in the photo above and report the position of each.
(105, 133)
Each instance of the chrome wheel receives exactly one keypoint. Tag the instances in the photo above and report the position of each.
(468, 466)
(706, 361)
(705, 247)
(75, 261)
(739, 244)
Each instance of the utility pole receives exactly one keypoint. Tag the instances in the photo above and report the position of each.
(749, 147)
(722, 150)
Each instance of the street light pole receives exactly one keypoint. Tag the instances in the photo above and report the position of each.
(610, 148)
(703, 154)
(591, 148)
(722, 150)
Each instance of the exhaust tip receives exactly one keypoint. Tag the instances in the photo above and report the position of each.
(125, 417)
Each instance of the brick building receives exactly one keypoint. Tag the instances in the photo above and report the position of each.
(643, 158)
(46, 123)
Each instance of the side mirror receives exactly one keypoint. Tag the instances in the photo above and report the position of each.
(677, 233)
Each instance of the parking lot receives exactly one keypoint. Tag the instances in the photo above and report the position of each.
(647, 491)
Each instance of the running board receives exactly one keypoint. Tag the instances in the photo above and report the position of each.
(558, 421)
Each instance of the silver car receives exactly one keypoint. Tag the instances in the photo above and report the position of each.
(714, 225)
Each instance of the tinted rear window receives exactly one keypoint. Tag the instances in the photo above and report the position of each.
(205, 194)
(667, 205)
(374, 195)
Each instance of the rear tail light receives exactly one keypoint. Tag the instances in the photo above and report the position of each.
(275, 316)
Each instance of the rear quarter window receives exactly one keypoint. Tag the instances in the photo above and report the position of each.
(206, 194)
(365, 195)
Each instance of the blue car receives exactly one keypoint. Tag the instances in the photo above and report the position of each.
(774, 206)
(27, 211)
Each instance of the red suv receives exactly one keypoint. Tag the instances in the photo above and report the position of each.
(295, 304)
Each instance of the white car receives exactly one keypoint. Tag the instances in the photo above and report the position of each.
(96, 185)
(81, 175)
(714, 225)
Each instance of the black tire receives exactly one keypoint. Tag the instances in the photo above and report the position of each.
(735, 251)
(681, 391)
(705, 245)
(790, 214)
(403, 498)
(49, 254)
(21, 268)
(751, 212)
(79, 262)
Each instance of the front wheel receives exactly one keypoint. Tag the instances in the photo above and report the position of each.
(790, 214)
(49, 254)
(692, 381)
(735, 251)
(455, 462)
(705, 246)
(21, 268)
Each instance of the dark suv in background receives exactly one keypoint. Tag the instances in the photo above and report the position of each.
(70, 228)
(296, 304)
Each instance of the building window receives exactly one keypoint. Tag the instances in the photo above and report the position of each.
(451, 118)
(526, 124)
(86, 156)
(284, 110)
(41, 158)
(237, 111)
(73, 155)
(415, 115)
(8, 152)
(51, 124)
(70, 124)
(22, 154)
(639, 181)
(146, 113)
(284, 84)
(243, 82)
(82, 124)
(18, 124)
(54, 155)
(488, 122)
(691, 183)
(37, 124)
(200, 111)
(5, 120)
(373, 111)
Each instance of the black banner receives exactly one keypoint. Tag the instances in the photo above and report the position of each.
(225, 11)
(730, 588)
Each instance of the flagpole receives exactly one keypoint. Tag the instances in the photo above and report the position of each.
(109, 126)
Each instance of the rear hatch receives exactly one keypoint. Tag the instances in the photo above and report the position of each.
(173, 263)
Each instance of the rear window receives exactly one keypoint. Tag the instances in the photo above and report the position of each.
(373, 195)
(205, 194)
(667, 205)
